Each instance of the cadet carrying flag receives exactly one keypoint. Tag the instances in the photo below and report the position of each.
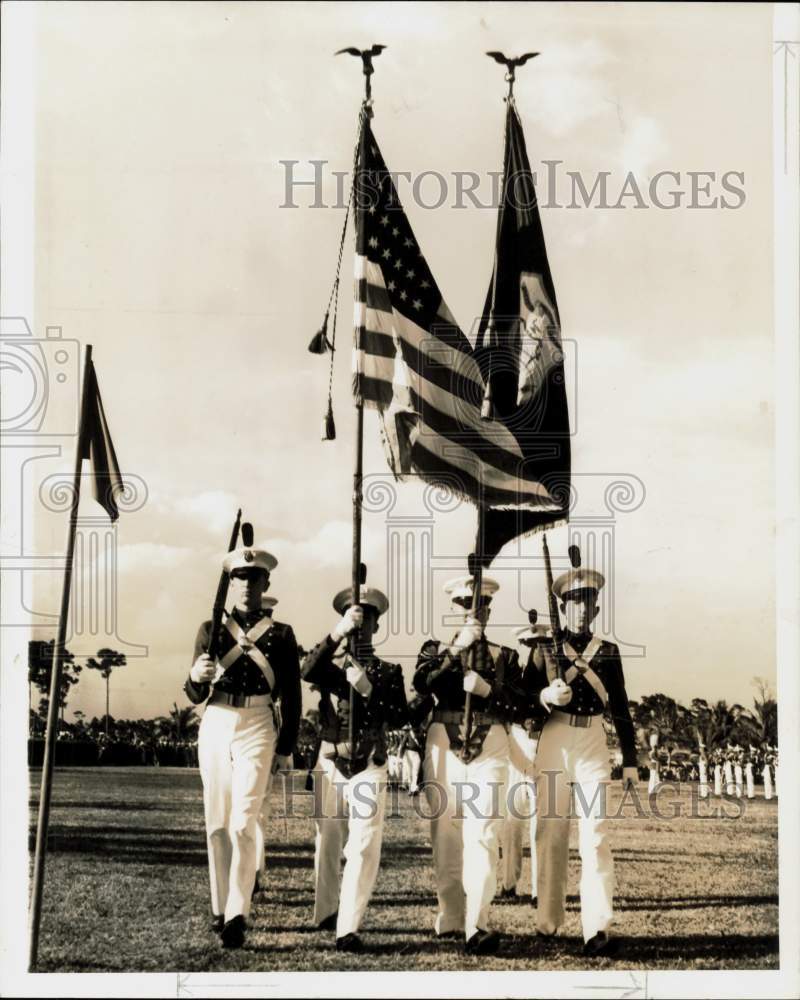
(520, 353)
(415, 366)
(99, 448)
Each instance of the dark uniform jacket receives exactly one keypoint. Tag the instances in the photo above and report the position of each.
(606, 663)
(385, 708)
(245, 677)
(441, 674)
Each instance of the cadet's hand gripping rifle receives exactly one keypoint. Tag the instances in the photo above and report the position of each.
(222, 588)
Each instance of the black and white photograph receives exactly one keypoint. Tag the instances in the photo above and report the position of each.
(400, 559)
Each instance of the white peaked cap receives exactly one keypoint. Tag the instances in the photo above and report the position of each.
(367, 595)
(461, 587)
(578, 579)
(249, 558)
(532, 633)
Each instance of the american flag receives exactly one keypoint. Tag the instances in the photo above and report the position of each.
(414, 365)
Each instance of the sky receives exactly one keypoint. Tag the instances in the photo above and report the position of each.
(163, 239)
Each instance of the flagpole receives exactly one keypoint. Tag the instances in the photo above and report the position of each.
(356, 565)
(357, 574)
(475, 567)
(55, 681)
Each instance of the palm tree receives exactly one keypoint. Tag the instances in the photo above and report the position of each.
(660, 714)
(716, 723)
(184, 721)
(760, 725)
(109, 659)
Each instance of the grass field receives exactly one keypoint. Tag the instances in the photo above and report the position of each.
(127, 888)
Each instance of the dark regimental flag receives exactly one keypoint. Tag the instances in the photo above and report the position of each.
(519, 350)
(98, 447)
(415, 366)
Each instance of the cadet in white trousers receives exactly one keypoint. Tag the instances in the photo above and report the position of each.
(767, 774)
(239, 741)
(268, 604)
(521, 807)
(730, 786)
(702, 767)
(738, 773)
(409, 753)
(465, 773)
(653, 763)
(350, 780)
(749, 777)
(583, 677)
(717, 758)
(523, 739)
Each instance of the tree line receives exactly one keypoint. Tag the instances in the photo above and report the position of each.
(656, 717)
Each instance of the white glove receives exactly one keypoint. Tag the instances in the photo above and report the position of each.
(203, 669)
(475, 684)
(352, 619)
(630, 775)
(357, 678)
(281, 762)
(559, 694)
(470, 632)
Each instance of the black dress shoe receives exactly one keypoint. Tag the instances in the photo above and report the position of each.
(232, 933)
(329, 923)
(534, 900)
(483, 943)
(350, 942)
(216, 924)
(601, 945)
(509, 893)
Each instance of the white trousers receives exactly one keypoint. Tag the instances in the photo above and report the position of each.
(738, 780)
(750, 780)
(521, 804)
(717, 779)
(412, 762)
(767, 781)
(349, 820)
(652, 783)
(730, 787)
(235, 749)
(467, 808)
(703, 768)
(573, 756)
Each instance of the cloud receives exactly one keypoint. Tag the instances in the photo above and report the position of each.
(212, 510)
(570, 87)
(153, 557)
(329, 546)
(642, 144)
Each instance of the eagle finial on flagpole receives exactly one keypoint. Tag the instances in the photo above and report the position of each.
(511, 66)
(366, 56)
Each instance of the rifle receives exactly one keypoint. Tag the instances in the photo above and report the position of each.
(552, 601)
(475, 568)
(222, 591)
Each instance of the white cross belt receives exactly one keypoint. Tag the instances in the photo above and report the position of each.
(245, 644)
(581, 666)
